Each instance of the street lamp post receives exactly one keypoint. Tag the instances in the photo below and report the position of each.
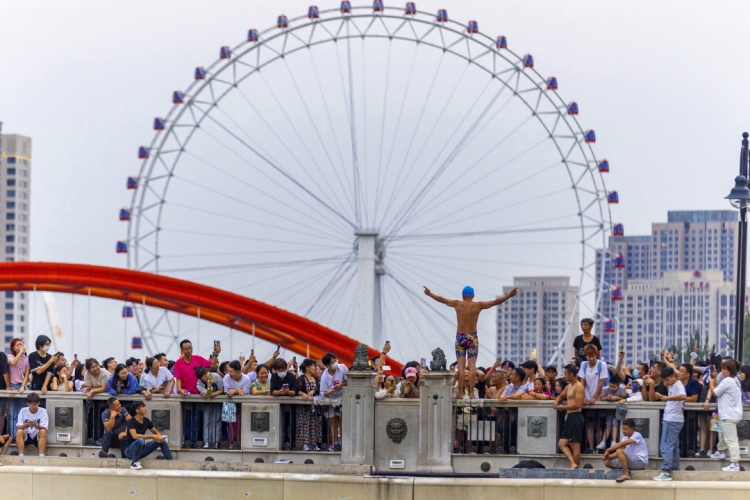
(739, 197)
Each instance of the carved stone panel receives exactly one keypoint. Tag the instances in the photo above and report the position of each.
(260, 421)
(396, 429)
(63, 416)
(160, 418)
(642, 425)
(743, 429)
(536, 426)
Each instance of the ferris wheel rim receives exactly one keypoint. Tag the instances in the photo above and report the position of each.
(197, 87)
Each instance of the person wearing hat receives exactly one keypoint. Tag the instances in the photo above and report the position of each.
(410, 385)
(467, 342)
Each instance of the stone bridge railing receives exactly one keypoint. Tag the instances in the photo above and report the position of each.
(432, 433)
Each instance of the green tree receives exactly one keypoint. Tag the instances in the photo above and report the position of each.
(746, 340)
(682, 352)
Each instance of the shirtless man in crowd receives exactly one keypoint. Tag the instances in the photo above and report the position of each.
(467, 342)
(572, 433)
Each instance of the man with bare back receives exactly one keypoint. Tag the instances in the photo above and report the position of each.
(572, 433)
(467, 342)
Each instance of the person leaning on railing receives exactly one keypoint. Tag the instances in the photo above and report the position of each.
(157, 379)
(387, 385)
(95, 379)
(409, 386)
(309, 425)
(283, 379)
(235, 382)
(124, 382)
(262, 386)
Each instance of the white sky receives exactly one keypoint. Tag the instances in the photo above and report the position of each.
(664, 84)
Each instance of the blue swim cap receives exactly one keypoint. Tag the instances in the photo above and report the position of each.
(468, 291)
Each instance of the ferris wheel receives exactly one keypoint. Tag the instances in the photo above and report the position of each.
(334, 163)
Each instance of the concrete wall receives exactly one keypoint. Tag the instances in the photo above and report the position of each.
(27, 483)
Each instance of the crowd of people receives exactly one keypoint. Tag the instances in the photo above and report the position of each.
(586, 380)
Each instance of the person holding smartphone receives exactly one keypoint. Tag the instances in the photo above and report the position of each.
(282, 381)
(309, 425)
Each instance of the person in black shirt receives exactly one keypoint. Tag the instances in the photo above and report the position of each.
(653, 384)
(41, 364)
(136, 447)
(587, 338)
(114, 419)
(280, 378)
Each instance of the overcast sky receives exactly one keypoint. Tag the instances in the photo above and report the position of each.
(664, 84)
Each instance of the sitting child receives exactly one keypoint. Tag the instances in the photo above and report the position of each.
(539, 392)
(629, 454)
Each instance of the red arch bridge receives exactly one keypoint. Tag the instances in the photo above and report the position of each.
(293, 332)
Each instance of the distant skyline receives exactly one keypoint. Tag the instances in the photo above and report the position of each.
(661, 83)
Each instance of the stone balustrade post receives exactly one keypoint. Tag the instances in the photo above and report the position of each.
(358, 419)
(436, 423)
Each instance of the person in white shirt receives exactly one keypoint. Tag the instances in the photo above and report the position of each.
(729, 405)
(593, 374)
(33, 423)
(331, 386)
(631, 453)
(235, 382)
(672, 423)
(158, 379)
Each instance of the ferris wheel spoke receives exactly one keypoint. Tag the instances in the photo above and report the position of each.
(313, 208)
(426, 209)
(303, 285)
(333, 302)
(396, 311)
(243, 238)
(281, 171)
(421, 257)
(342, 269)
(411, 293)
(346, 180)
(398, 122)
(235, 273)
(411, 268)
(334, 230)
(410, 206)
(359, 204)
(382, 134)
(257, 265)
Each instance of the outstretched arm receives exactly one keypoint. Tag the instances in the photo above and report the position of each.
(499, 300)
(438, 298)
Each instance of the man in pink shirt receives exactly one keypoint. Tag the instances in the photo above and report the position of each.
(184, 373)
(184, 368)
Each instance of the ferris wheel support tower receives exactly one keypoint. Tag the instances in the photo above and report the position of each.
(368, 310)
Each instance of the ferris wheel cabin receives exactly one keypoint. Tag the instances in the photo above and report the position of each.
(158, 123)
(473, 27)
(618, 230)
(589, 136)
(132, 183)
(127, 312)
(620, 262)
(377, 6)
(225, 52)
(551, 83)
(573, 108)
(442, 16)
(346, 7)
(177, 97)
(313, 12)
(613, 198)
(528, 61)
(282, 22)
(252, 36)
(121, 247)
(124, 214)
(143, 152)
(411, 9)
(200, 73)
(608, 326)
(501, 43)
(617, 293)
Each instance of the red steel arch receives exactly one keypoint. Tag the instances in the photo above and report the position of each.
(275, 325)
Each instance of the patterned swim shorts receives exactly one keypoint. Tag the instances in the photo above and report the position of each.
(467, 345)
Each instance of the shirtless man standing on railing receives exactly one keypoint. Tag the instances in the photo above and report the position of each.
(467, 342)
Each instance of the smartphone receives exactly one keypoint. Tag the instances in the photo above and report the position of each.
(241, 353)
(622, 346)
(387, 342)
(252, 352)
(294, 358)
(217, 343)
(382, 377)
(285, 387)
(393, 381)
(75, 356)
(278, 348)
(533, 354)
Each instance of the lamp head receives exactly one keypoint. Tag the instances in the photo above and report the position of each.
(739, 197)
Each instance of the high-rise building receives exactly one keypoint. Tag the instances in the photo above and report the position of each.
(699, 241)
(536, 318)
(15, 199)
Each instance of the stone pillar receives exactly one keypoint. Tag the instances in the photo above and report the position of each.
(358, 419)
(435, 423)
(537, 429)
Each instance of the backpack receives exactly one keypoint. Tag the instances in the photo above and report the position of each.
(599, 364)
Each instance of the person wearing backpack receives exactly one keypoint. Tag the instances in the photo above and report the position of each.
(593, 374)
(729, 405)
